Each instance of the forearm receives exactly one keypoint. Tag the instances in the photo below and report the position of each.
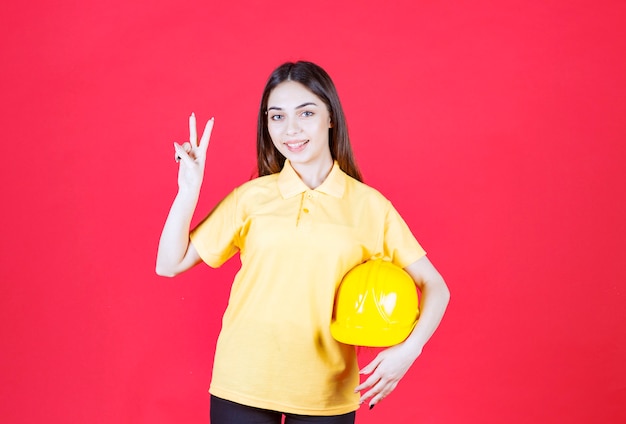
(172, 255)
(433, 304)
(434, 300)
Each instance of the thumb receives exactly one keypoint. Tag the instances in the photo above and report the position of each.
(182, 156)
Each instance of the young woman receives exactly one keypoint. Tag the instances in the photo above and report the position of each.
(299, 227)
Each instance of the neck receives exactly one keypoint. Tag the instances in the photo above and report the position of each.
(313, 175)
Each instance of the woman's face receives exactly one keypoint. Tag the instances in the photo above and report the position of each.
(298, 123)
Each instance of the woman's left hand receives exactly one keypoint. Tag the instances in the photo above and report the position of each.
(390, 365)
(386, 370)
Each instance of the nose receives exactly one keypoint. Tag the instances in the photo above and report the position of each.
(293, 126)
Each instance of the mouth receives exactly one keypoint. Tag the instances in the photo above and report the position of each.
(296, 146)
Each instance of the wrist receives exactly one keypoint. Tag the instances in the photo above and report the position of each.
(187, 196)
(188, 193)
(413, 347)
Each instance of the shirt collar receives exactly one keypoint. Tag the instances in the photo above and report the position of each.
(290, 184)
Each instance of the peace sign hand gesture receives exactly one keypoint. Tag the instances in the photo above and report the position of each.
(192, 156)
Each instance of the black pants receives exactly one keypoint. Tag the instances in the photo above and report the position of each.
(227, 412)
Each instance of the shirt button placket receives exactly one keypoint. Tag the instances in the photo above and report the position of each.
(307, 208)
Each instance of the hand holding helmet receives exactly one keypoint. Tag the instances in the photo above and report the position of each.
(377, 305)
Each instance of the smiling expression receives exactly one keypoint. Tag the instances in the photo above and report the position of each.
(298, 122)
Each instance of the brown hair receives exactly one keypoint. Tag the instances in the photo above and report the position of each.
(314, 78)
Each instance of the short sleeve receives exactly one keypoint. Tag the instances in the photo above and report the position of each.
(215, 238)
(399, 243)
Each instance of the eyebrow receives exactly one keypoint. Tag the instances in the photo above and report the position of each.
(297, 107)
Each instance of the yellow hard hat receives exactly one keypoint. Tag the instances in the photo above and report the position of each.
(376, 305)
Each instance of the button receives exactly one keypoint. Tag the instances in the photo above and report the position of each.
(309, 195)
(305, 210)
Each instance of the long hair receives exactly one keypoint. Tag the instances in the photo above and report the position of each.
(314, 78)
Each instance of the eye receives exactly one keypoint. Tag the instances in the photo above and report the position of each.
(276, 117)
(307, 113)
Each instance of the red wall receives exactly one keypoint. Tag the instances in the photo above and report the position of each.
(496, 128)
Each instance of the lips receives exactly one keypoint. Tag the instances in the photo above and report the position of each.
(296, 146)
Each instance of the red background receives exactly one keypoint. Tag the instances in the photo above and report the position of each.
(497, 128)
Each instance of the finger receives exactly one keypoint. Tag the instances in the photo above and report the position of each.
(383, 393)
(371, 381)
(193, 134)
(176, 155)
(368, 395)
(185, 146)
(376, 393)
(375, 400)
(181, 155)
(206, 135)
(369, 368)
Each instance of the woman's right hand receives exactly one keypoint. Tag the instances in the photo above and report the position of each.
(192, 156)
(176, 254)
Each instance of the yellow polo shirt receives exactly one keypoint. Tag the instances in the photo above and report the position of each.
(275, 350)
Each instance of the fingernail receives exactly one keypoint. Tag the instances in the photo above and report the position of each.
(212, 118)
(193, 114)
(372, 406)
